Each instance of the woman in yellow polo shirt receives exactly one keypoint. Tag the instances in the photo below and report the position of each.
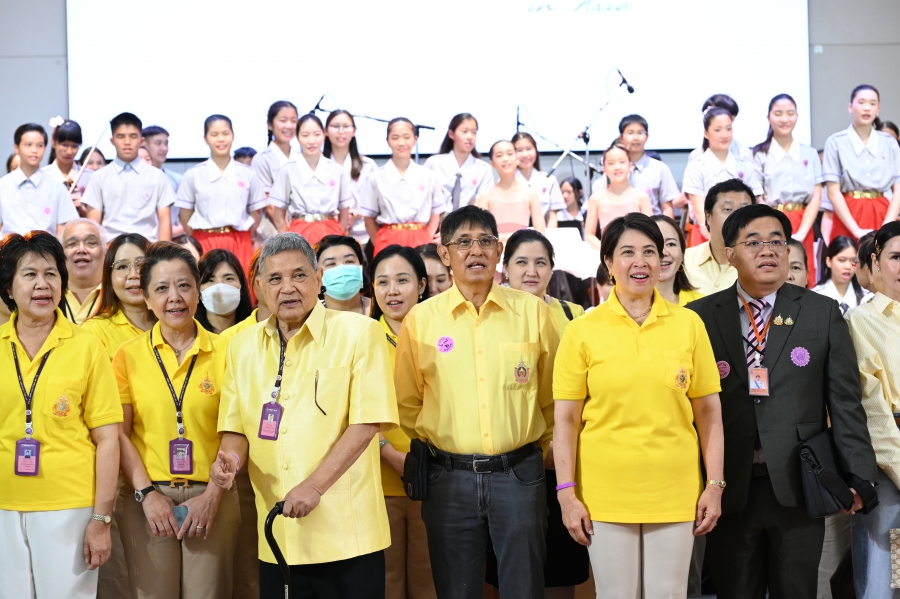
(123, 313)
(169, 381)
(59, 415)
(631, 381)
(400, 281)
(673, 282)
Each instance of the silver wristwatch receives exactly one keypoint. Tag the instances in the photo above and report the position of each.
(99, 518)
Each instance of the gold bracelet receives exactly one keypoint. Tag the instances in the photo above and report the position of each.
(717, 483)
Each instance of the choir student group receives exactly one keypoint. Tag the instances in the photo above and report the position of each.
(184, 351)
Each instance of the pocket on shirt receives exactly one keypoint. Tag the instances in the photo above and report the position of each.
(679, 367)
(518, 365)
(331, 393)
(62, 400)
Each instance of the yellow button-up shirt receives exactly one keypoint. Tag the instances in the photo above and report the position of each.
(347, 351)
(390, 480)
(112, 331)
(75, 393)
(78, 312)
(704, 273)
(154, 424)
(875, 329)
(477, 382)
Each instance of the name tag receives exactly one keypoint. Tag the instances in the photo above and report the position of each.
(28, 457)
(181, 456)
(759, 381)
(269, 421)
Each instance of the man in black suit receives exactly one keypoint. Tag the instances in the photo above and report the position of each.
(785, 356)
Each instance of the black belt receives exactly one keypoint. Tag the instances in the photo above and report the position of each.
(484, 464)
(177, 482)
(759, 470)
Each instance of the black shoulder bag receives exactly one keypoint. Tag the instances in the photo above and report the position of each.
(823, 479)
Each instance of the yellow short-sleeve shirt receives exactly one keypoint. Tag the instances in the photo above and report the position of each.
(686, 296)
(559, 315)
(76, 392)
(226, 336)
(112, 331)
(390, 480)
(154, 423)
(638, 454)
(354, 386)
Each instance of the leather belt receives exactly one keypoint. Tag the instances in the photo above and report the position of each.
(177, 482)
(484, 464)
(792, 207)
(867, 194)
(405, 227)
(313, 218)
(759, 470)
(218, 230)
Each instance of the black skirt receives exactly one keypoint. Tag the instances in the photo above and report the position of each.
(567, 562)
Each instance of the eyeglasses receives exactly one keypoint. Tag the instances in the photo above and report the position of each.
(776, 245)
(341, 127)
(487, 242)
(123, 267)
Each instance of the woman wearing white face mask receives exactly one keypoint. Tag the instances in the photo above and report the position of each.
(340, 263)
(224, 292)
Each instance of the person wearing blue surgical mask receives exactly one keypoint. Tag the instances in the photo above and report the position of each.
(341, 268)
(224, 291)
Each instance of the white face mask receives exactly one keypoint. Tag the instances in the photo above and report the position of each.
(221, 299)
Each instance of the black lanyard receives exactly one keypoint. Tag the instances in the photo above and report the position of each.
(29, 397)
(179, 400)
(277, 389)
(72, 314)
(391, 341)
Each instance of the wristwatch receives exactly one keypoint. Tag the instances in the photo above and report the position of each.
(717, 483)
(99, 518)
(140, 495)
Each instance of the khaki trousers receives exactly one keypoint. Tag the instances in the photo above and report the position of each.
(407, 564)
(114, 573)
(246, 554)
(166, 568)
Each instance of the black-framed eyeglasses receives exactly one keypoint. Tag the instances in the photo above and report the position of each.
(776, 245)
(486, 242)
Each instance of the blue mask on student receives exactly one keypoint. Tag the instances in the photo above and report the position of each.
(343, 282)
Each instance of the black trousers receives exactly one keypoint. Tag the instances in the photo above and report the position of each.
(766, 546)
(359, 577)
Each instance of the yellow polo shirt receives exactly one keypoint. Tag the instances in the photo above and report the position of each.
(477, 382)
(354, 387)
(81, 311)
(154, 424)
(75, 393)
(638, 455)
(390, 480)
(687, 296)
(226, 335)
(112, 331)
(559, 316)
(704, 273)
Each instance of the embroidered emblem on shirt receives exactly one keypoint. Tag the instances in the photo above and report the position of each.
(681, 378)
(523, 373)
(789, 321)
(805, 162)
(421, 188)
(47, 210)
(61, 406)
(445, 344)
(778, 321)
(241, 184)
(147, 194)
(331, 182)
(740, 174)
(206, 386)
(474, 182)
(800, 356)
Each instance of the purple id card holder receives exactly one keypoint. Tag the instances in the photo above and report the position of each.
(28, 457)
(269, 421)
(181, 456)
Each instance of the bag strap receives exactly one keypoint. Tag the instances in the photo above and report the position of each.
(567, 310)
(831, 481)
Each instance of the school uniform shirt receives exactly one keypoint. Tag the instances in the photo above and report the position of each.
(112, 331)
(33, 203)
(563, 215)
(788, 177)
(358, 228)
(701, 174)
(475, 177)
(336, 373)
(221, 198)
(491, 369)
(76, 392)
(173, 177)
(638, 457)
(858, 166)
(128, 195)
(392, 198)
(846, 303)
(548, 190)
(652, 176)
(736, 148)
(57, 175)
(704, 273)
(78, 312)
(301, 190)
(154, 424)
(267, 163)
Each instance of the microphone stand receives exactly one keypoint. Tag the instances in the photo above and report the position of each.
(558, 147)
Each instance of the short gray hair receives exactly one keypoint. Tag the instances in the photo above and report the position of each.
(101, 231)
(286, 242)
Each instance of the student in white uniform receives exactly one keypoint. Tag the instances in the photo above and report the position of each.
(461, 173)
(791, 174)
(838, 280)
(401, 201)
(340, 146)
(573, 196)
(281, 121)
(861, 167)
(530, 172)
(31, 199)
(129, 196)
(650, 175)
(65, 141)
(311, 195)
(219, 200)
(727, 102)
(718, 163)
(156, 139)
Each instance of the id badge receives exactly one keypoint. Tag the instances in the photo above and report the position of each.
(269, 421)
(28, 457)
(181, 456)
(759, 381)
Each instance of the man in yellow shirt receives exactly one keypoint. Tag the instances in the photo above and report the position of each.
(304, 396)
(705, 264)
(474, 379)
(82, 241)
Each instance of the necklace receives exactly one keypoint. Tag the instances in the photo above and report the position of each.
(642, 314)
(178, 351)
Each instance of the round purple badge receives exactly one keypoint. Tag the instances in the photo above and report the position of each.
(805, 162)
(800, 356)
(47, 210)
(740, 175)
(331, 182)
(445, 344)
(421, 188)
(475, 182)
(724, 369)
(241, 184)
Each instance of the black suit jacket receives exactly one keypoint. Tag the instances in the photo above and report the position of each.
(795, 409)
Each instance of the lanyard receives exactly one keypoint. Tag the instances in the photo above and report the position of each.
(391, 341)
(179, 400)
(29, 397)
(760, 336)
(277, 389)
(72, 314)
